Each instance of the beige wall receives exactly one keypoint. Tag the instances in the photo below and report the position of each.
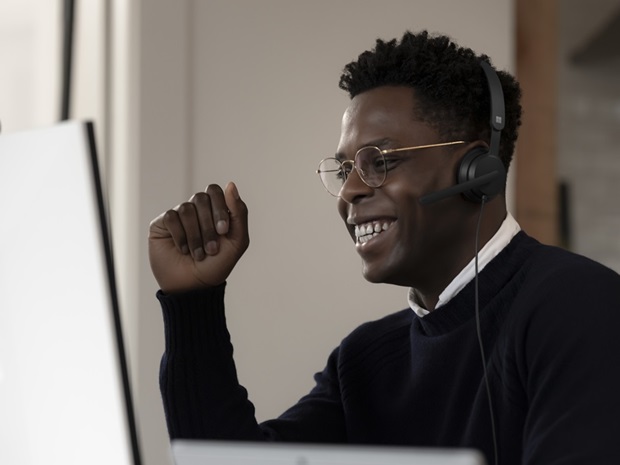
(265, 109)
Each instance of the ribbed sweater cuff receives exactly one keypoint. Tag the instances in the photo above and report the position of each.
(197, 317)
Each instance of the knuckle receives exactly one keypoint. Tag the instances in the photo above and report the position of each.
(200, 198)
(157, 221)
(168, 216)
(214, 189)
(185, 208)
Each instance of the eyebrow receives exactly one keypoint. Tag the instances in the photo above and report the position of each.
(340, 156)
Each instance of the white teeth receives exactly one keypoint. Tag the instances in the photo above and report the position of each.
(367, 231)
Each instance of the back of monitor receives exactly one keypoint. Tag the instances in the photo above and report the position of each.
(64, 394)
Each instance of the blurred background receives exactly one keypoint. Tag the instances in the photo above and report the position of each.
(193, 92)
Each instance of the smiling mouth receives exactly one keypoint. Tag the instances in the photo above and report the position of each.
(367, 231)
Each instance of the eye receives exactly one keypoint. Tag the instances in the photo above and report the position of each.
(342, 172)
(383, 164)
(392, 161)
(347, 167)
(378, 162)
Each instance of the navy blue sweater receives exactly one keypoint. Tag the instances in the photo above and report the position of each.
(550, 321)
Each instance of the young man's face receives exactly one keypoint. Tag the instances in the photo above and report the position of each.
(419, 246)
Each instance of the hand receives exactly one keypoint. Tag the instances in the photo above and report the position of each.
(198, 243)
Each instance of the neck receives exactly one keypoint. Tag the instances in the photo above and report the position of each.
(494, 214)
(429, 302)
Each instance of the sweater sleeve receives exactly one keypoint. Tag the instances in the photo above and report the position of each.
(198, 380)
(571, 358)
(200, 390)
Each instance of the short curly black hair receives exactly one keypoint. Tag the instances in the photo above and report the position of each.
(450, 87)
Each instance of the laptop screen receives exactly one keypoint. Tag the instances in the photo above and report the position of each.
(244, 453)
(64, 391)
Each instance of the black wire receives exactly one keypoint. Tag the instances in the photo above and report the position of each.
(479, 333)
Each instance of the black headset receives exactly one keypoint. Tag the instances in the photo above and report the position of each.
(481, 175)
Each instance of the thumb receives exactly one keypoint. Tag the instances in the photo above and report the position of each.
(238, 213)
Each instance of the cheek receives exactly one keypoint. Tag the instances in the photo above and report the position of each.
(343, 212)
(342, 209)
(410, 182)
(424, 175)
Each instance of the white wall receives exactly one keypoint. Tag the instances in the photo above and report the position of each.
(29, 52)
(247, 91)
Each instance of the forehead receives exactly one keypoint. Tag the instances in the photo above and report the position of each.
(384, 113)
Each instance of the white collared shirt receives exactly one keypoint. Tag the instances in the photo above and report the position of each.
(498, 242)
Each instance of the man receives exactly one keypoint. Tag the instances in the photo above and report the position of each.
(543, 391)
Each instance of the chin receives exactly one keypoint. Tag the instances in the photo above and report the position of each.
(371, 278)
(378, 275)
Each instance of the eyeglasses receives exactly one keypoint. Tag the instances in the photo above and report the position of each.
(370, 163)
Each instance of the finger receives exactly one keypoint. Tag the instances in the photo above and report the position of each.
(238, 214)
(158, 228)
(172, 223)
(193, 232)
(205, 215)
(218, 208)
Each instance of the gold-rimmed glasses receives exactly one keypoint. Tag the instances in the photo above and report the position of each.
(370, 163)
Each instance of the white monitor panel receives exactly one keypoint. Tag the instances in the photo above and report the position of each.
(64, 395)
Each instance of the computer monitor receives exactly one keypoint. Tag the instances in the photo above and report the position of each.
(64, 387)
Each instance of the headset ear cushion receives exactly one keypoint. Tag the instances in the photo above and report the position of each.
(478, 162)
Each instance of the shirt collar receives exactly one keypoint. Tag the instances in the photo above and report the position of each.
(494, 246)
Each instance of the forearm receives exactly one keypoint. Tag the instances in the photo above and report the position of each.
(198, 380)
(201, 393)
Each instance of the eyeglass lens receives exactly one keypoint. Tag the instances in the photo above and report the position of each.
(369, 164)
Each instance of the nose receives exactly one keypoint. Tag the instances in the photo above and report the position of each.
(353, 189)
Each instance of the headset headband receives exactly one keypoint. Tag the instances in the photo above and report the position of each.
(498, 113)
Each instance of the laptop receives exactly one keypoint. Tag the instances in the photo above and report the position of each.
(192, 452)
(64, 389)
